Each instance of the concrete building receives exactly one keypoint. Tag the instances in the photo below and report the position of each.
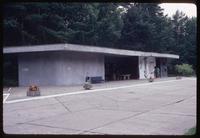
(69, 64)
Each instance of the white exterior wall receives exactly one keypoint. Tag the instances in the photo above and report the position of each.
(59, 68)
(150, 64)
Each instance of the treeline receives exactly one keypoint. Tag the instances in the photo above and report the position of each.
(138, 26)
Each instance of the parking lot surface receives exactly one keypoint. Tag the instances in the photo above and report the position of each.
(164, 107)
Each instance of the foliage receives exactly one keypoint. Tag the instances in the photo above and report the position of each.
(191, 131)
(147, 29)
(190, 47)
(184, 69)
(144, 25)
(138, 26)
(47, 23)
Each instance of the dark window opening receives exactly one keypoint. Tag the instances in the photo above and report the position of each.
(116, 67)
(10, 70)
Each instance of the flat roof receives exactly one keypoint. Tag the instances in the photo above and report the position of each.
(83, 48)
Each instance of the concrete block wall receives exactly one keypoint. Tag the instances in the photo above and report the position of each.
(59, 68)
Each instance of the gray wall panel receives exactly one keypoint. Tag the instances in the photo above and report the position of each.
(59, 68)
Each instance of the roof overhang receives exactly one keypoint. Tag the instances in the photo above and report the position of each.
(83, 48)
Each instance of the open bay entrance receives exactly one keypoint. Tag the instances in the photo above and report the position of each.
(121, 68)
(162, 64)
(10, 70)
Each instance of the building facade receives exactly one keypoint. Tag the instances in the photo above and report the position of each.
(67, 64)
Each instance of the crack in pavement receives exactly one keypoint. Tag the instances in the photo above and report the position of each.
(34, 107)
(107, 97)
(180, 101)
(92, 106)
(104, 108)
(63, 105)
(161, 106)
(38, 119)
(115, 121)
(85, 131)
(41, 118)
(34, 124)
(175, 102)
(176, 114)
(112, 99)
(72, 129)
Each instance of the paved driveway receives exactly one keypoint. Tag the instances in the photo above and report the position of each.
(165, 107)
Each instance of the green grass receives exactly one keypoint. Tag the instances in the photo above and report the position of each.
(191, 131)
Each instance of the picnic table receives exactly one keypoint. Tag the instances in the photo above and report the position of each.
(125, 76)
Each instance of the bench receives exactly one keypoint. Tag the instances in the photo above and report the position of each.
(96, 79)
(125, 76)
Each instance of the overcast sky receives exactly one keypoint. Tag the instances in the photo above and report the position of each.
(170, 8)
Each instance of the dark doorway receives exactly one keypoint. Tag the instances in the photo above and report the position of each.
(116, 67)
(162, 64)
(158, 62)
(10, 70)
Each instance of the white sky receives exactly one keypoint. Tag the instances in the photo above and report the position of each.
(170, 8)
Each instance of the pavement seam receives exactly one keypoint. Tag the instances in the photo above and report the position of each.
(115, 121)
(63, 105)
(85, 131)
(102, 108)
(164, 105)
(34, 124)
(33, 107)
(112, 99)
(41, 118)
(92, 106)
(132, 116)
(113, 110)
(125, 117)
(174, 114)
(175, 102)
(55, 115)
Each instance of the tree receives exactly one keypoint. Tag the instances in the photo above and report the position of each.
(178, 21)
(47, 23)
(109, 24)
(184, 30)
(184, 35)
(100, 25)
(190, 42)
(142, 26)
(37, 23)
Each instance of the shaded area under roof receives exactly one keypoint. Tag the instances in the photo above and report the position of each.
(83, 48)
